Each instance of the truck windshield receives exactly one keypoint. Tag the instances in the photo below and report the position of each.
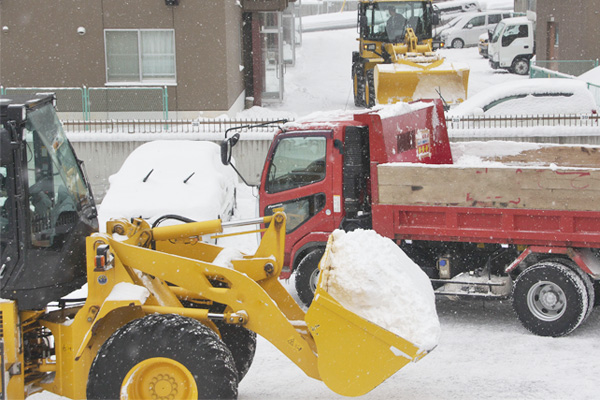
(296, 162)
(57, 187)
(497, 32)
(387, 21)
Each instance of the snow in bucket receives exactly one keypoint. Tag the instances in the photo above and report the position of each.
(372, 277)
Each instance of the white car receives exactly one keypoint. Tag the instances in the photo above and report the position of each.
(180, 177)
(466, 31)
(544, 96)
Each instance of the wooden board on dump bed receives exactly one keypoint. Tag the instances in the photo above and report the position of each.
(548, 178)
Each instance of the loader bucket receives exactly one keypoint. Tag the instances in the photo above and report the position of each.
(408, 81)
(354, 355)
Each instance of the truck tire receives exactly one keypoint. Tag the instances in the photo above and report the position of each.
(163, 356)
(242, 344)
(307, 275)
(458, 43)
(550, 299)
(520, 66)
(587, 281)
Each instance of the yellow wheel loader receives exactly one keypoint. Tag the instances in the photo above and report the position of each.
(396, 62)
(166, 315)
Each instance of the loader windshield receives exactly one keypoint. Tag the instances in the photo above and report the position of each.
(387, 21)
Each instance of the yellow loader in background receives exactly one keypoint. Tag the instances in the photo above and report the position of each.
(167, 315)
(396, 62)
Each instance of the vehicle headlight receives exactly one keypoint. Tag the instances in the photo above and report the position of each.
(370, 47)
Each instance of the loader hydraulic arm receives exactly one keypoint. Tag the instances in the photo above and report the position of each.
(254, 296)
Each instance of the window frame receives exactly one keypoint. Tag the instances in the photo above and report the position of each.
(141, 81)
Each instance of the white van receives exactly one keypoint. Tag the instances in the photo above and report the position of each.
(449, 9)
(466, 32)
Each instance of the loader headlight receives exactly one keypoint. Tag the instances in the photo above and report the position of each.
(370, 46)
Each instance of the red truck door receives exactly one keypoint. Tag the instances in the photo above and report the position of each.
(298, 177)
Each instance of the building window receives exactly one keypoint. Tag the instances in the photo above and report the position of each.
(140, 55)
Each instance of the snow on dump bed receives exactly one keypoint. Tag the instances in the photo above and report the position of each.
(372, 277)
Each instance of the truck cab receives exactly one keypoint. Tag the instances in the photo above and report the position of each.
(511, 45)
(324, 175)
(47, 208)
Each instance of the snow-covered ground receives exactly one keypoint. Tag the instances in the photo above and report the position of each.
(483, 351)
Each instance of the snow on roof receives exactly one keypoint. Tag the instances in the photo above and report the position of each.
(591, 76)
(579, 100)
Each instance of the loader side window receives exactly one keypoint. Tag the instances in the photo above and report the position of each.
(296, 162)
(56, 185)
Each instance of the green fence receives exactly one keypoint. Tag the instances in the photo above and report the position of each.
(83, 103)
(560, 68)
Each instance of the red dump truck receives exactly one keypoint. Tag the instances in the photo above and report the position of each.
(528, 229)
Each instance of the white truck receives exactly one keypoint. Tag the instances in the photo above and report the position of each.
(511, 45)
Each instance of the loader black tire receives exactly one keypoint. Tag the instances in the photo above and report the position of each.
(171, 353)
(242, 344)
(307, 275)
(371, 99)
(358, 77)
(550, 299)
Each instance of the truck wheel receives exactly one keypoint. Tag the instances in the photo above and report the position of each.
(550, 299)
(242, 344)
(458, 44)
(163, 356)
(520, 66)
(358, 77)
(585, 278)
(307, 276)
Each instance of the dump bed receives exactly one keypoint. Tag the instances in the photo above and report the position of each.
(543, 196)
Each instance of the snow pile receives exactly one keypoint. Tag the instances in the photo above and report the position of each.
(372, 277)
(171, 177)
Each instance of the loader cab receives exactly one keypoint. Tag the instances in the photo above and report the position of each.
(47, 208)
(387, 21)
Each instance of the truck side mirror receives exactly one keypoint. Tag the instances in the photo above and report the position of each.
(6, 154)
(227, 147)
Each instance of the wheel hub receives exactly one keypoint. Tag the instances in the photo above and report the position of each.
(159, 379)
(163, 387)
(546, 301)
(314, 279)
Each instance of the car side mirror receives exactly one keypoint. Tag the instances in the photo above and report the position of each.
(227, 148)
(469, 26)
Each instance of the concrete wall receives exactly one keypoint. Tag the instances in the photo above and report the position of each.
(40, 46)
(103, 159)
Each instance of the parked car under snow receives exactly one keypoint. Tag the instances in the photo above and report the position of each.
(178, 177)
(545, 96)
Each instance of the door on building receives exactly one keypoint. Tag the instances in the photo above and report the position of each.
(271, 37)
